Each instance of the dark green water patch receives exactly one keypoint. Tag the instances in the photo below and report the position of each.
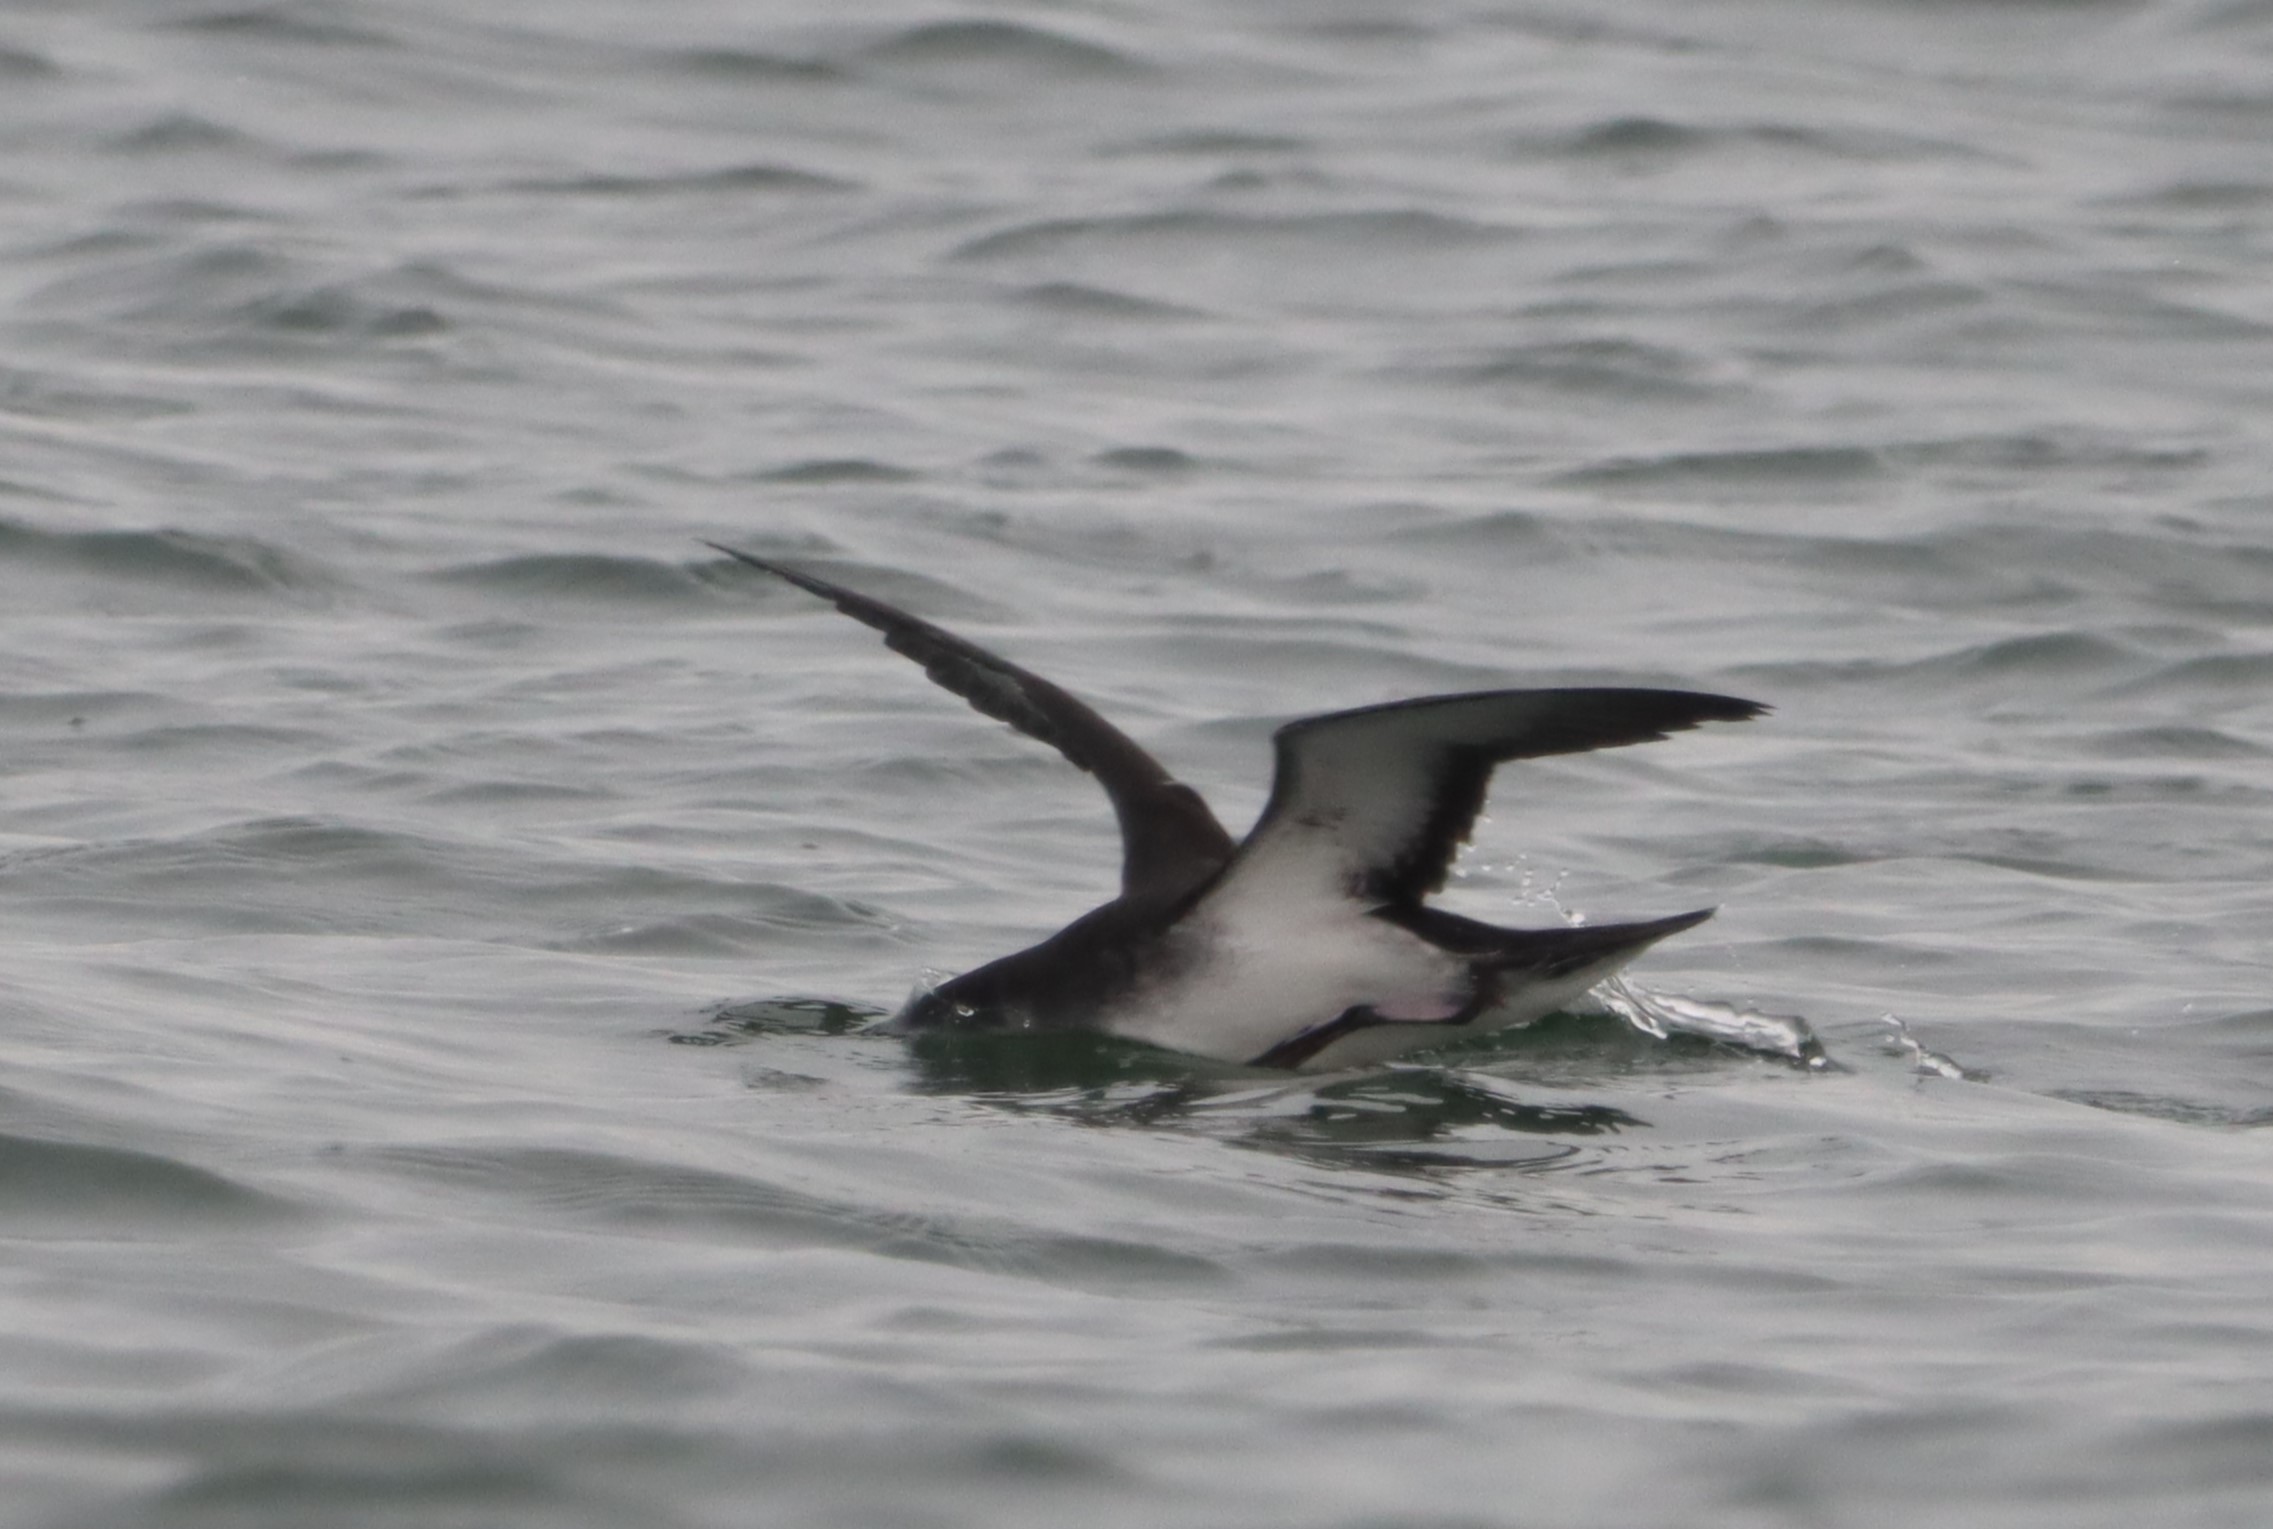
(735, 1024)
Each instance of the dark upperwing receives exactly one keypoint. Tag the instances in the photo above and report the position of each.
(1376, 802)
(1170, 841)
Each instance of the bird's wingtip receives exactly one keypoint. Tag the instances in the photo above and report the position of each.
(1734, 708)
(737, 554)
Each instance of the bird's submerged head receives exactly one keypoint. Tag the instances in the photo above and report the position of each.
(977, 1000)
(925, 1009)
(938, 1001)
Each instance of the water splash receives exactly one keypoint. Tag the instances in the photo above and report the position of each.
(1663, 1015)
(1926, 1064)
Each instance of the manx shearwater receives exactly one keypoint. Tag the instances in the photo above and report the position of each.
(1310, 943)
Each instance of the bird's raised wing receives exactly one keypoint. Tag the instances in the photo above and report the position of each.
(1170, 841)
(1373, 804)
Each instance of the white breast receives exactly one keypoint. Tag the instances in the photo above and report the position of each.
(1245, 974)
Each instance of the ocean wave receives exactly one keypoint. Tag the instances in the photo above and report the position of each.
(1364, 231)
(1782, 468)
(1641, 136)
(1042, 53)
(183, 132)
(725, 179)
(316, 876)
(828, 470)
(1079, 300)
(305, 26)
(579, 578)
(1619, 367)
(236, 291)
(80, 1190)
(26, 67)
(655, 1198)
(191, 562)
(2033, 569)
(739, 66)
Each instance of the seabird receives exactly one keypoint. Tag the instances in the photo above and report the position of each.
(1308, 944)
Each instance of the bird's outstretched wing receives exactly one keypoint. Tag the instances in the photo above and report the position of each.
(1170, 841)
(1373, 804)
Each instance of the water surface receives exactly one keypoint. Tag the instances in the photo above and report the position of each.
(440, 897)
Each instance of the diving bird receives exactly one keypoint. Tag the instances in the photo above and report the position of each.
(1310, 943)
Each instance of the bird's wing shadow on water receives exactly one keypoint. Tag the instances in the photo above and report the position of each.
(1463, 1110)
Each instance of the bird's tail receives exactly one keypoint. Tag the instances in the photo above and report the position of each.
(1559, 952)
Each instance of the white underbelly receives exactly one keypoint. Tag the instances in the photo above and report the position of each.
(1235, 991)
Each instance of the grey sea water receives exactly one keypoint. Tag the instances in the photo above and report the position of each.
(439, 898)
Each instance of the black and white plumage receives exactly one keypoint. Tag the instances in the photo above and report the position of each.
(1309, 943)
